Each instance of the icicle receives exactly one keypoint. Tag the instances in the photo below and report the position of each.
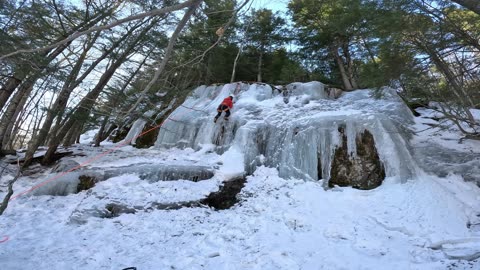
(299, 137)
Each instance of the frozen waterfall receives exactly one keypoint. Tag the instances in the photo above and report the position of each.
(294, 128)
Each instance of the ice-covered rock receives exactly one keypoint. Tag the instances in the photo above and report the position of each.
(137, 128)
(297, 130)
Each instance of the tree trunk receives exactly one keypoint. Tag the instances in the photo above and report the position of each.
(168, 52)
(114, 100)
(457, 29)
(79, 133)
(91, 28)
(369, 51)
(89, 100)
(8, 117)
(234, 69)
(341, 67)
(8, 89)
(72, 134)
(33, 68)
(260, 63)
(99, 138)
(45, 58)
(57, 109)
(350, 65)
(8, 133)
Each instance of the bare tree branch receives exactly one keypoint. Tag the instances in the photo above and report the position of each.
(168, 52)
(154, 12)
(199, 58)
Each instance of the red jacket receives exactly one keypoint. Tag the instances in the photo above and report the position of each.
(227, 101)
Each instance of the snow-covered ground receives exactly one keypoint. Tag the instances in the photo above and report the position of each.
(423, 222)
(441, 150)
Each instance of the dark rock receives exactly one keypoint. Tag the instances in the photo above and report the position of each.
(119, 134)
(5, 152)
(86, 182)
(333, 92)
(174, 206)
(319, 166)
(115, 210)
(148, 139)
(226, 197)
(365, 171)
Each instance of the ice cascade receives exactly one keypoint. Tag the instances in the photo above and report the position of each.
(295, 128)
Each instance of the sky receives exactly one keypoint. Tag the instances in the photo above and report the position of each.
(276, 5)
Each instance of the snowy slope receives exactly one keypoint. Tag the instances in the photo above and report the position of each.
(414, 220)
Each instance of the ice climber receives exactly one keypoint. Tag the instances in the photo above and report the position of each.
(225, 106)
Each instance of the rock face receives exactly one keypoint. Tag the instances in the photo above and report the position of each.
(86, 182)
(363, 171)
(147, 139)
(333, 93)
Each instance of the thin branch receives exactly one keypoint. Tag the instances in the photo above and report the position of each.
(154, 12)
(202, 56)
(168, 52)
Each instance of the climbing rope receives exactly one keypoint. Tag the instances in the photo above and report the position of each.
(97, 157)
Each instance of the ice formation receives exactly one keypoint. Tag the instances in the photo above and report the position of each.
(137, 128)
(294, 128)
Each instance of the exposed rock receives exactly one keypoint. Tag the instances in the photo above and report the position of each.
(5, 152)
(319, 166)
(119, 134)
(115, 210)
(363, 171)
(86, 182)
(333, 93)
(147, 139)
(226, 197)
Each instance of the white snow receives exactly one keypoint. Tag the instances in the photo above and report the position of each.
(280, 224)
(231, 167)
(412, 221)
(88, 137)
